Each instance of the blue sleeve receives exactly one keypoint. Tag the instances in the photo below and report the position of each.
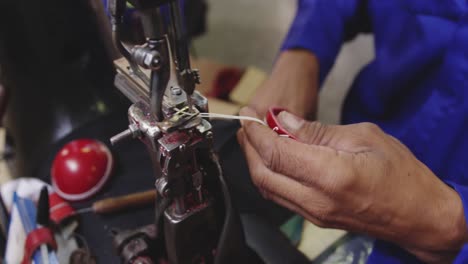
(462, 257)
(463, 192)
(321, 26)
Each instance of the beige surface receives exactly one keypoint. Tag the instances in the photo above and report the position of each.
(221, 107)
(253, 77)
(316, 240)
(4, 172)
(209, 70)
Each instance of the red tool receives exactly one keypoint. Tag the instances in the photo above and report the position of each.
(35, 239)
(274, 124)
(42, 238)
(59, 208)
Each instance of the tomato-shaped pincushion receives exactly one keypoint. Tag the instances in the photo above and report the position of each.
(81, 168)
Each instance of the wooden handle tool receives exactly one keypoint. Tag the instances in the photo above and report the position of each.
(119, 203)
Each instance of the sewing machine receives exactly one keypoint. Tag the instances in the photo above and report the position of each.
(195, 218)
(193, 213)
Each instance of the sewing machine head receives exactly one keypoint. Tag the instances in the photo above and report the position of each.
(165, 115)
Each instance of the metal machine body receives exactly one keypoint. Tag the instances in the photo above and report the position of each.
(191, 206)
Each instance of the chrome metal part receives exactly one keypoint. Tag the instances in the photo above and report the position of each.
(176, 91)
(135, 90)
(117, 10)
(132, 132)
(140, 116)
(165, 116)
(129, 87)
(147, 57)
(121, 136)
(162, 187)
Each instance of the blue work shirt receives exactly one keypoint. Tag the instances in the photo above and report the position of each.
(415, 89)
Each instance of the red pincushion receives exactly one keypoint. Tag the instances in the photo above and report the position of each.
(81, 168)
(272, 121)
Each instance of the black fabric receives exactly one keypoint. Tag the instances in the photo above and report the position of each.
(270, 244)
(244, 194)
(57, 73)
(133, 172)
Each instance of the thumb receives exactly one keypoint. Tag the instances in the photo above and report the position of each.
(314, 133)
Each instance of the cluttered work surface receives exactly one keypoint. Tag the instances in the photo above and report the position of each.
(132, 173)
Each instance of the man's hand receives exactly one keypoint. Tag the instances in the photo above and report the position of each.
(292, 85)
(356, 178)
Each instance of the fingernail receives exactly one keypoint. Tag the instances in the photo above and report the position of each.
(290, 122)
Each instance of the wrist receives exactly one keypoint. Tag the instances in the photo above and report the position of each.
(448, 234)
(301, 59)
(453, 222)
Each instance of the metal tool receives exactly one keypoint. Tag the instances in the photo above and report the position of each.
(136, 246)
(194, 215)
(119, 203)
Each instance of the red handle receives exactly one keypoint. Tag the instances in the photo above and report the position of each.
(35, 239)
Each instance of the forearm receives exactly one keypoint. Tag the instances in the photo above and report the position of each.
(321, 27)
(293, 84)
(314, 39)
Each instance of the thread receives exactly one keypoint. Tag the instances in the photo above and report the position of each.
(84, 210)
(221, 116)
(232, 117)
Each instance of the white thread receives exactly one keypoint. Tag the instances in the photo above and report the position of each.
(223, 116)
(231, 117)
